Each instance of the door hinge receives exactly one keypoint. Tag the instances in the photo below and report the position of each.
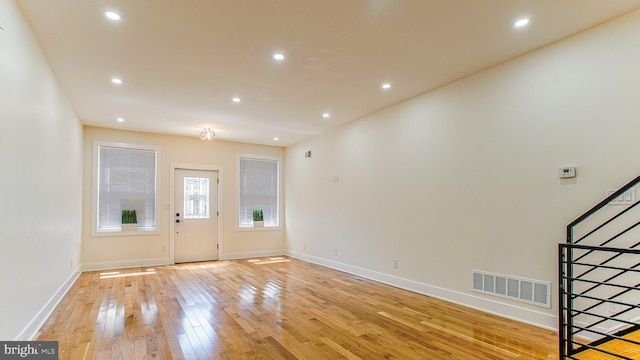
(218, 180)
(218, 246)
(217, 213)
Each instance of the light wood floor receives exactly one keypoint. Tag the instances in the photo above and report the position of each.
(274, 308)
(619, 347)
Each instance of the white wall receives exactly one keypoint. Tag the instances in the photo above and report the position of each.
(101, 252)
(466, 177)
(40, 186)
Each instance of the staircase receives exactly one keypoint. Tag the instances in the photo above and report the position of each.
(599, 278)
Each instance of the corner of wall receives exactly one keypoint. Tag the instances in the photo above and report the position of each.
(30, 332)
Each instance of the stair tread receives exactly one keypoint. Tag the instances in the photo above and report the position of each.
(615, 346)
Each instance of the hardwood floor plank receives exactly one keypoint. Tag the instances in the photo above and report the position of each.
(620, 347)
(185, 346)
(274, 308)
(339, 349)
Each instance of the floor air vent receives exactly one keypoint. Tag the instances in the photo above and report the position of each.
(526, 290)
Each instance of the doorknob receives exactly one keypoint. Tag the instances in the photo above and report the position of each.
(177, 217)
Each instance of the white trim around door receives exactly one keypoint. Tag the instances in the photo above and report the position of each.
(172, 174)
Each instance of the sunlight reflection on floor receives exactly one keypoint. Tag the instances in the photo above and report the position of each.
(117, 274)
(272, 260)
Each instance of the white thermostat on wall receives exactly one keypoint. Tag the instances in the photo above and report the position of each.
(567, 172)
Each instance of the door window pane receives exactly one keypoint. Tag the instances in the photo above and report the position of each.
(196, 198)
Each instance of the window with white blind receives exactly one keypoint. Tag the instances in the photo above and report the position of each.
(126, 180)
(259, 190)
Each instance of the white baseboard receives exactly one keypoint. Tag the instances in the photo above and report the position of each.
(509, 311)
(31, 330)
(252, 254)
(590, 336)
(110, 265)
(124, 264)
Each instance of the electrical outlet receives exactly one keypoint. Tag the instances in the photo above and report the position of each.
(335, 252)
(395, 263)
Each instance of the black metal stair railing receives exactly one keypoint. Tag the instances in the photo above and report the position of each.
(587, 318)
(598, 281)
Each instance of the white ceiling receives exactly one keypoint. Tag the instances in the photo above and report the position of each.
(183, 61)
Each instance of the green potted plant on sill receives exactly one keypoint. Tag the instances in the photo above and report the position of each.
(129, 220)
(258, 219)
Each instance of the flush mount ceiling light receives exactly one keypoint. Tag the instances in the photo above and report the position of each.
(278, 56)
(207, 134)
(116, 81)
(120, 119)
(326, 115)
(236, 99)
(521, 22)
(386, 86)
(112, 15)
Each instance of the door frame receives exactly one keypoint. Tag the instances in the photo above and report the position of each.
(172, 213)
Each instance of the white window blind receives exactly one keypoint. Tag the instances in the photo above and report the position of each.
(258, 191)
(126, 181)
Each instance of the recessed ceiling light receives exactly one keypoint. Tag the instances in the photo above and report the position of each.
(521, 22)
(113, 15)
(116, 81)
(236, 99)
(278, 56)
(386, 86)
(326, 115)
(276, 138)
(120, 119)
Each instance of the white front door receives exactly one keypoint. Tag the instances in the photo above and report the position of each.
(196, 217)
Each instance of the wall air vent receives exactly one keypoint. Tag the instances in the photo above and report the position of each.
(526, 290)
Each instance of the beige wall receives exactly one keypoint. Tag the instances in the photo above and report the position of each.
(117, 251)
(40, 186)
(461, 178)
(466, 177)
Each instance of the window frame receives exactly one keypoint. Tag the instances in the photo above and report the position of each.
(94, 190)
(279, 192)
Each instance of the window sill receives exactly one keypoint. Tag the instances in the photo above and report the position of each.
(271, 228)
(124, 233)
